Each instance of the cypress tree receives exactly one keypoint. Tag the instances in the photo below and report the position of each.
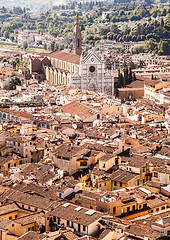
(120, 80)
(118, 83)
(133, 77)
(130, 76)
(125, 76)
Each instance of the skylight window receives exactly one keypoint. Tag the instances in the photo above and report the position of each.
(66, 205)
(90, 212)
(145, 190)
(78, 209)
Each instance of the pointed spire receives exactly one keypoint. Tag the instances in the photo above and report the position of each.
(77, 18)
(77, 40)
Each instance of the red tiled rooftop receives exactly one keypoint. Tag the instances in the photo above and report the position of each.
(75, 108)
(17, 113)
(69, 57)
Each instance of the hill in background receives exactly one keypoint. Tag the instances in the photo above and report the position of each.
(40, 5)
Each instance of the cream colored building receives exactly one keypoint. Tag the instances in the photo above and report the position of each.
(152, 90)
(72, 158)
(161, 175)
(21, 146)
(108, 160)
(79, 219)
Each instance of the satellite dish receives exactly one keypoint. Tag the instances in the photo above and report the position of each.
(74, 126)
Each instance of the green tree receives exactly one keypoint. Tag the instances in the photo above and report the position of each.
(141, 63)
(6, 87)
(13, 83)
(162, 22)
(39, 42)
(163, 48)
(52, 46)
(133, 77)
(125, 79)
(56, 46)
(61, 47)
(124, 64)
(45, 46)
(6, 34)
(130, 76)
(120, 80)
(137, 49)
(24, 45)
(132, 65)
(151, 46)
(108, 64)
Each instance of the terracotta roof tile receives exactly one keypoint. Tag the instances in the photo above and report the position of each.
(78, 109)
(69, 213)
(32, 236)
(69, 57)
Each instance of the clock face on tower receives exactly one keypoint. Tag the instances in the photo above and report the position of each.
(91, 69)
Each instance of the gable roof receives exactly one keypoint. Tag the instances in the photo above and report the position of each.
(30, 200)
(70, 212)
(28, 219)
(123, 176)
(68, 57)
(32, 236)
(12, 207)
(79, 109)
(67, 235)
(9, 158)
(67, 151)
(106, 157)
(4, 223)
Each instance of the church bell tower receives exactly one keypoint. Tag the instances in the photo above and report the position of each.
(77, 40)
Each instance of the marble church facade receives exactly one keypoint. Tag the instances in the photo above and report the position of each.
(93, 76)
(61, 67)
